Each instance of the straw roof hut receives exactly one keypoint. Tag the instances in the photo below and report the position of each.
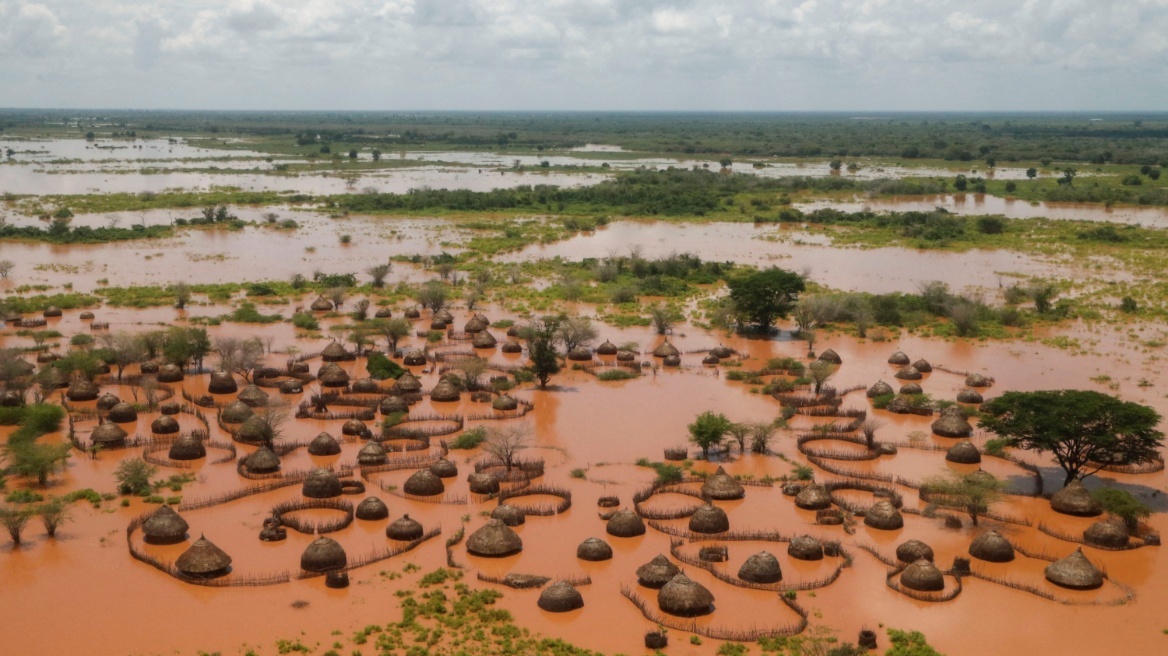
(383, 313)
(884, 516)
(170, 407)
(665, 350)
(505, 403)
(203, 560)
(580, 354)
(509, 515)
(924, 576)
(992, 547)
(82, 390)
(805, 547)
(923, 366)
(1075, 572)
(222, 382)
(256, 430)
(709, 519)
(321, 304)
(170, 373)
(407, 383)
(438, 324)
(494, 540)
(443, 468)
(85, 316)
(657, 572)
(372, 454)
(413, 313)
(710, 359)
(685, 597)
(187, 447)
(594, 549)
(969, 396)
(911, 388)
(445, 391)
(484, 340)
(475, 324)
(560, 597)
(106, 401)
(721, 352)
(165, 526)
(1108, 533)
(332, 375)
(263, 461)
(236, 412)
(444, 316)
(299, 367)
(964, 452)
(813, 497)
(1074, 499)
(911, 551)
(952, 423)
(52, 311)
(122, 413)
(424, 483)
(355, 427)
(607, 348)
(334, 352)
(880, 388)
(323, 554)
(149, 367)
(393, 404)
(482, 483)
(977, 380)
(290, 387)
(108, 434)
(321, 484)
(49, 356)
(52, 378)
(253, 397)
(11, 399)
(899, 359)
(625, 356)
(908, 372)
(980, 476)
(722, 486)
(830, 356)
(625, 523)
(762, 567)
(404, 528)
(512, 346)
(372, 508)
(672, 361)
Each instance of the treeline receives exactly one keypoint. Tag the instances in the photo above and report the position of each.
(83, 234)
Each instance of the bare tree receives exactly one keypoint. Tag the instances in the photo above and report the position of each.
(472, 371)
(761, 435)
(664, 317)
(868, 430)
(124, 348)
(239, 355)
(6, 267)
(336, 295)
(820, 372)
(473, 296)
(361, 310)
(378, 273)
(505, 443)
(576, 332)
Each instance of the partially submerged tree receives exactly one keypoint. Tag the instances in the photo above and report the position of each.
(820, 372)
(39, 461)
(124, 349)
(378, 273)
(761, 434)
(53, 513)
(868, 429)
(6, 267)
(505, 443)
(134, 476)
(541, 347)
(1122, 504)
(576, 332)
(708, 431)
(239, 355)
(664, 317)
(182, 295)
(14, 519)
(431, 295)
(391, 330)
(969, 492)
(761, 297)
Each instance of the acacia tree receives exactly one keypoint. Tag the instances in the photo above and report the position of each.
(506, 443)
(708, 431)
(664, 317)
(124, 348)
(6, 267)
(14, 520)
(391, 330)
(1083, 430)
(970, 492)
(576, 332)
(761, 297)
(378, 273)
(541, 347)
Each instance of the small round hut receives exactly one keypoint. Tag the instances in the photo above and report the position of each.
(414, 358)
(187, 447)
(365, 386)
(170, 373)
(509, 515)
(321, 304)
(108, 435)
(323, 554)
(512, 346)
(263, 461)
(334, 352)
(625, 523)
(475, 324)
(910, 389)
(371, 509)
(408, 383)
(657, 572)
(968, 395)
(880, 388)
(805, 547)
(721, 486)
(923, 576)
(685, 597)
(256, 430)
(560, 597)
(404, 529)
(977, 380)
(910, 551)
(332, 375)
(482, 483)
(884, 516)
(722, 352)
(290, 387)
(992, 547)
(253, 397)
(709, 519)
(964, 453)
(165, 526)
(762, 567)
(106, 401)
(423, 483)
(504, 403)
(82, 390)
(324, 445)
(484, 340)
(445, 392)
(443, 468)
(1108, 533)
(203, 560)
(236, 412)
(580, 354)
(392, 405)
(321, 484)
(494, 540)
(222, 382)
(1075, 572)
(830, 356)
(665, 350)
(899, 359)
(355, 428)
(164, 425)
(952, 423)
(813, 497)
(923, 366)
(594, 549)
(372, 454)
(1074, 499)
(607, 348)
(908, 372)
(122, 413)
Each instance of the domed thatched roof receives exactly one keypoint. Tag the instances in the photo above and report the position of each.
(372, 508)
(393, 405)
(594, 549)
(964, 452)
(512, 346)
(170, 373)
(625, 523)
(253, 397)
(477, 323)
(365, 386)
(414, 358)
(106, 401)
(255, 430)
(413, 313)
(405, 529)
(992, 547)
(122, 413)
(560, 597)
(484, 340)
(187, 447)
(164, 425)
(165, 526)
(82, 390)
(407, 383)
(762, 567)
(911, 551)
(445, 391)
(625, 356)
(884, 516)
(509, 515)
(504, 403)
(236, 412)
(291, 387)
(607, 348)
(980, 476)
(108, 434)
(321, 304)
(899, 359)
(830, 356)
(977, 380)
(170, 408)
(324, 445)
(203, 559)
(721, 352)
(263, 461)
(665, 350)
(372, 454)
(1074, 499)
(383, 313)
(443, 468)
(355, 427)
(52, 311)
(52, 378)
(969, 396)
(911, 388)
(444, 315)
(438, 325)
(813, 497)
(952, 423)
(222, 382)
(722, 486)
(580, 354)
(923, 366)
(922, 575)
(321, 484)
(423, 483)
(1107, 533)
(710, 359)
(332, 375)
(657, 572)
(805, 547)
(709, 519)
(494, 540)
(880, 388)
(482, 483)
(334, 352)
(85, 316)
(908, 372)
(1075, 572)
(685, 597)
(324, 554)
(672, 361)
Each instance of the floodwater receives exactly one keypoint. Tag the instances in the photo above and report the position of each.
(979, 204)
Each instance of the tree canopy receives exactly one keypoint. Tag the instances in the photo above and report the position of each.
(761, 297)
(708, 431)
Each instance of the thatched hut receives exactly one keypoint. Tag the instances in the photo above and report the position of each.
(321, 484)
(1075, 572)
(1074, 499)
(334, 352)
(332, 375)
(721, 486)
(899, 359)
(607, 348)
(356, 428)
(323, 554)
(253, 397)
(992, 547)
(108, 435)
(512, 346)
(52, 378)
(475, 324)
(908, 372)
(923, 366)
(977, 380)
(762, 567)
(321, 304)
(256, 430)
(106, 401)
(299, 367)
(371, 509)
(952, 423)
(291, 386)
(263, 461)
(964, 453)
(203, 560)
(665, 350)
(85, 316)
(383, 313)
(722, 352)
(372, 454)
(392, 405)
(236, 412)
(805, 547)
(505, 403)
(830, 356)
(484, 340)
(170, 373)
(482, 483)
(494, 540)
(884, 516)
(165, 526)
(880, 388)
(413, 313)
(414, 358)
(222, 382)
(813, 497)
(580, 354)
(594, 549)
(445, 391)
(509, 515)
(625, 356)
(1108, 533)
(407, 383)
(423, 483)
(170, 407)
(625, 523)
(443, 468)
(685, 597)
(980, 476)
(82, 390)
(122, 413)
(187, 447)
(924, 576)
(970, 396)
(164, 425)
(52, 311)
(404, 528)
(365, 386)
(444, 315)
(560, 597)
(657, 572)
(911, 551)
(709, 519)
(438, 325)
(710, 359)
(910, 389)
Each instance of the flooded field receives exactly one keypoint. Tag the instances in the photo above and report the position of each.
(978, 204)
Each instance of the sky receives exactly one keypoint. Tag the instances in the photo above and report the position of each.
(700, 55)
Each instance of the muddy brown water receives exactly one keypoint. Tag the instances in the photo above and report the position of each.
(978, 204)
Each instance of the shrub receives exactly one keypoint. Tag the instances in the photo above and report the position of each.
(381, 367)
(616, 374)
(305, 321)
(1122, 504)
(469, 439)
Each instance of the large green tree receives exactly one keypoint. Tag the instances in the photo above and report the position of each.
(708, 431)
(761, 297)
(1083, 430)
(541, 335)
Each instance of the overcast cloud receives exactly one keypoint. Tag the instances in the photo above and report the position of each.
(851, 55)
